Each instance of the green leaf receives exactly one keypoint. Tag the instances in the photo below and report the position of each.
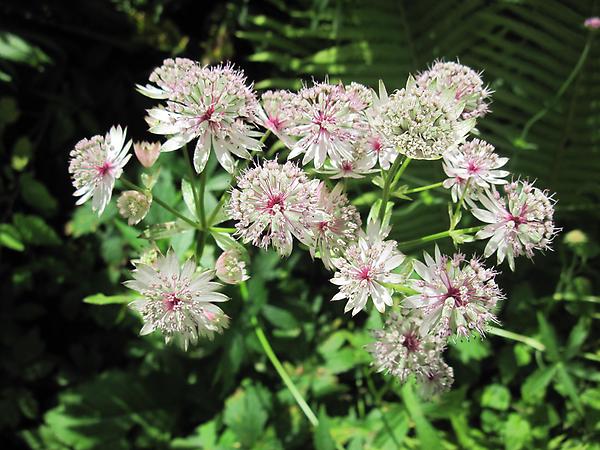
(517, 432)
(35, 231)
(9, 110)
(246, 412)
(577, 337)
(496, 396)
(188, 196)
(428, 436)
(548, 337)
(534, 388)
(9, 237)
(14, 48)
(568, 385)
(279, 317)
(37, 196)
(101, 299)
(166, 230)
(322, 435)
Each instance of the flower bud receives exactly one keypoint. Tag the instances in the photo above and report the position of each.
(147, 153)
(592, 23)
(134, 206)
(230, 267)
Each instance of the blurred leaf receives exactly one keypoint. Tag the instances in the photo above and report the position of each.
(9, 110)
(246, 412)
(517, 432)
(101, 299)
(496, 396)
(428, 436)
(37, 195)
(9, 237)
(14, 48)
(322, 437)
(35, 231)
(534, 388)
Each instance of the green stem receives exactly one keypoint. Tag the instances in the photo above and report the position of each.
(223, 230)
(202, 215)
(388, 183)
(459, 205)
(161, 203)
(436, 236)
(191, 175)
(265, 136)
(264, 342)
(517, 337)
(213, 215)
(400, 172)
(540, 114)
(424, 188)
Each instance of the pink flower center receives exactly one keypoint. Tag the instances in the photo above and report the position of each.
(208, 114)
(473, 168)
(347, 166)
(376, 145)
(517, 220)
(456, 295)
(411, 342)
(364, 274)
(323, 226)
(275, 122)
(104, 169)
(171, 301)
(275, 203)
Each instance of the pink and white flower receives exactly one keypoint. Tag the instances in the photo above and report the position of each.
(518, 223)
(327, 124)
(475, 163)
(134, 206)
(211, 104)
(592, 23)
(231, 267)
(177, 300)
(95, 165)
(464, 82)
(365, 268)
(455, 295)
(278, 113)
(147, 153)
(339, 227)
(273, 203)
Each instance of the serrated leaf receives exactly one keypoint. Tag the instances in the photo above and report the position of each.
(246, 412)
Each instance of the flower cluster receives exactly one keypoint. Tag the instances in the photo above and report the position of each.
(401, 349)
(455, 295)
(340, 131)
(466, 84)
(95, 165)
(177, 300)
(421, 122)
(211, 104)
(518, 223)
(473, 166)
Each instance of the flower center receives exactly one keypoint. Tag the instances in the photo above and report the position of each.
(104, 169)
(365, 274)
(323, 226)
(517, 220)
(472, 168)
(455, 294)
(347, 166)
(275, 203)
(376, 145)
(275, 122)
(171, 301)
(208, 114)
(411, 342)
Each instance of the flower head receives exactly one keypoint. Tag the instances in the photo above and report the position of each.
(211, 104)
(327, 123)
(134, 206)
(95, 165)
(339, 227)
(274, 202)
(365, 268)
(466, 84)
(177, 300)
(421, 122)
(592, 23)
(362, 163)
(231, 267)
(518, 223)
(377, 148)
(402, 349)
(147, 153)
(455, 295)
(437, 379)
(474, 162)
(278, 113)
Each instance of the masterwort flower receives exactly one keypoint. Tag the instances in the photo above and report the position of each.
(436, 380)
(421, 122)
(327, 124)
(402, 349)
(134, 206)
(361, 164)
(278, 113)
(212, 104)
(231, 267)
(177, 300)
(466, 84)
(147, 152)
(95, 165)
(455, 295)
(274, 202)
(365, 268)
(473, 164)
(592, 23)
(518, 223)
(339, 227)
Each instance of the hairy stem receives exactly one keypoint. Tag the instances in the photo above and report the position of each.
(161, 203)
